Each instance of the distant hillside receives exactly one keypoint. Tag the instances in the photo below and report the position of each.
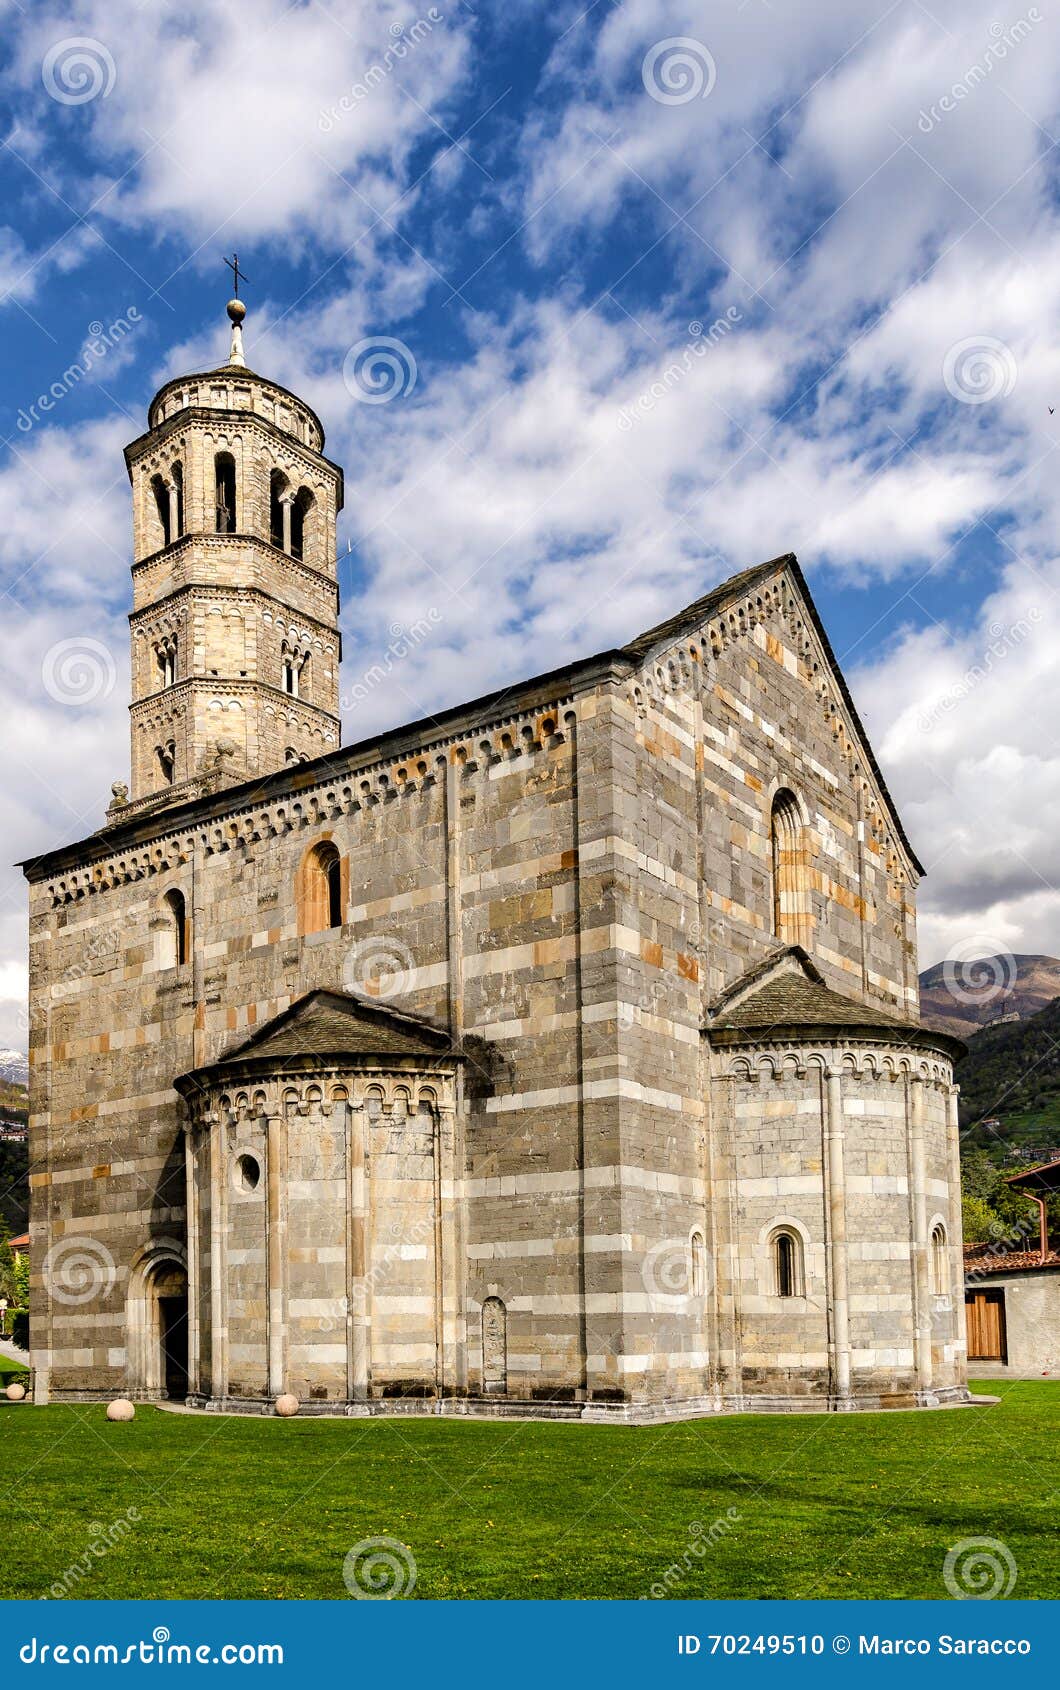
(14, 1185)
(958, 997)
(1012, 1074)
(14, 1102)
(14, 1159)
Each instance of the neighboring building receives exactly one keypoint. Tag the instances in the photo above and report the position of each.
(558, 1054)
(19, 1246)
(1012, 1297)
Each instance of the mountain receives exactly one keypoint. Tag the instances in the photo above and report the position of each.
(1011, 1077)
(14, 1066)
(962, 997)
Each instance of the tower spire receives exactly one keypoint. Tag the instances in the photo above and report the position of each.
(236, 313)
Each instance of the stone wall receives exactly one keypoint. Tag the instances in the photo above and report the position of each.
(567, 881)
(852, 1151)
(1032, 1324)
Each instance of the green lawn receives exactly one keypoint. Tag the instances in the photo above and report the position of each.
(10, 1371)
(823, 1505)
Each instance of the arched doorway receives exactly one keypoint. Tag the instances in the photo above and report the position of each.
(157, 1324)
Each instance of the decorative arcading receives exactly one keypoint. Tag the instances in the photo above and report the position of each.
(778, 1060)
(674, 672)
(396, 780)
(212, 392)
(394, 1092)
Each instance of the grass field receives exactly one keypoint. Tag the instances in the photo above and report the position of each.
(813, 1506)
(10, 1371)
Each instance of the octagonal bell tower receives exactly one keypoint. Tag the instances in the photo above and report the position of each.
(235, 641)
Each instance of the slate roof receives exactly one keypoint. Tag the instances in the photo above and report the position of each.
(330, 1026)
(514, 695)
(787, 991)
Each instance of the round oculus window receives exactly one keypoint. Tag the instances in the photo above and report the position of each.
(248, 1173)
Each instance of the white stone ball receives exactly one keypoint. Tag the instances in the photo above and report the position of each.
(15, 1393)
(286, 1405)
(120, 1409)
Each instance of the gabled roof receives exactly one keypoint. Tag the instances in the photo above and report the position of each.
(329, 1027)
(398, 742)
(688, 620)
(786, 992)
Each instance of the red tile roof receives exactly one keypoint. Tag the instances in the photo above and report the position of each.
(981, 1259)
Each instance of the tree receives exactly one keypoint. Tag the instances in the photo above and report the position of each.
(8, 1282)
(979, 1220)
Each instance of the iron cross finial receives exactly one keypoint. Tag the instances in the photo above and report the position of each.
(233, 265)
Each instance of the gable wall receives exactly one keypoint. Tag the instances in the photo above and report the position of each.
(705, 734)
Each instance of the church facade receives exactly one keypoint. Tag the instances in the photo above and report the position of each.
(559, 1055)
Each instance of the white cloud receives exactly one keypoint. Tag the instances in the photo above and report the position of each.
(295, 121)
(507, 494)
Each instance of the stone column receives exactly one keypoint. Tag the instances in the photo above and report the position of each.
(357, 1299)
(960, 1321)
(724, 1310)
(837, 1236)
(174, 511)
(918, 1227)
(276, 1247)
(440, 1260)
(191, 1229)
(218, 1261)
(285, 506)
(454, 1241)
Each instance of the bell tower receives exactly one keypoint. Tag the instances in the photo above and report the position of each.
(235, 641)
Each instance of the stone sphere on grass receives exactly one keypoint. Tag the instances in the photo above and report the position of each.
(15, 1392)
(286, 1405)
(120, 1409)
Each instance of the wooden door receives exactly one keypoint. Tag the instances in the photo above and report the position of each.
(986, 1325)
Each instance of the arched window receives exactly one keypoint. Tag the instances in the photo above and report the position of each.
(787, 1263)
(225, 492)
(167, 761)
(176, 509)
(294, 671)
(320, 895)
(939, 1272)
(791, 888)
(301, 507)
(166, 659)
(161, 493)
(279, 510)
(175, 936)
(697, 1275)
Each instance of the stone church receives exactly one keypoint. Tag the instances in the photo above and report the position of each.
(558, 1055)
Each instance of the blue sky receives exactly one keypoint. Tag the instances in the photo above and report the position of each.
(675, 288)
